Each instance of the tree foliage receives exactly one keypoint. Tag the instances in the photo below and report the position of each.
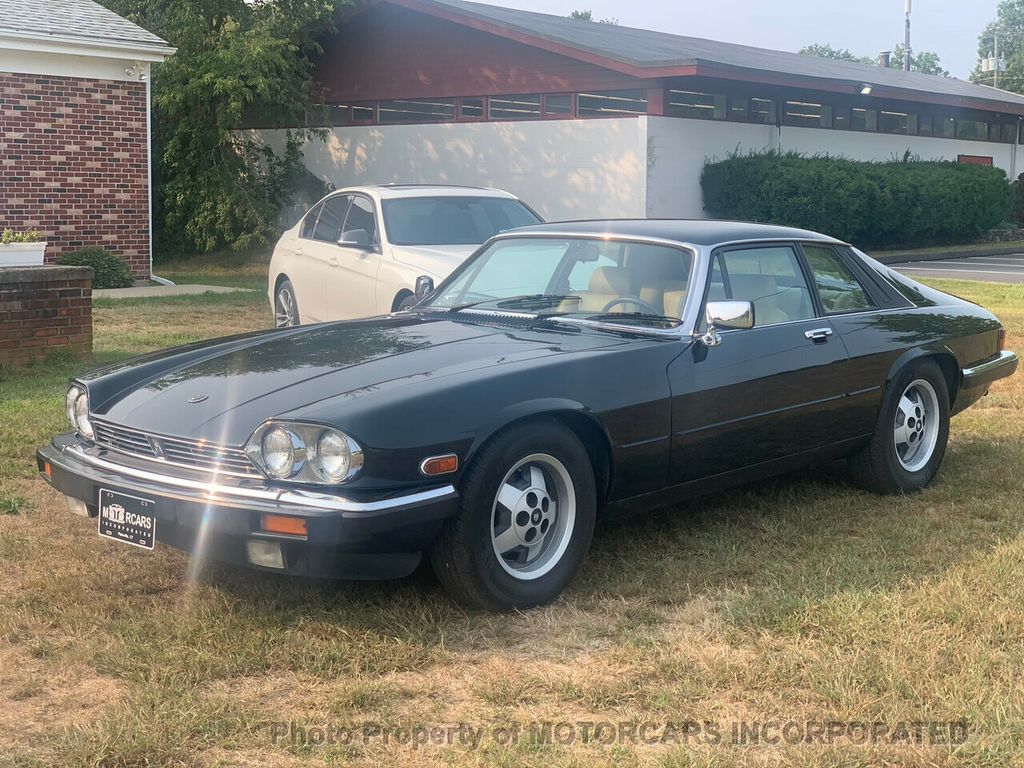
(587, 15)
(237, 61)
(1010, 21)
(927, 62)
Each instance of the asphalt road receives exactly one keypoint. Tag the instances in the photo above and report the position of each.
(997, 269)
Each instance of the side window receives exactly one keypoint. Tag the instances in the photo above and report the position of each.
(362, 216)
(771, 278)
(838, 288)
(309, 222)
(328, 226)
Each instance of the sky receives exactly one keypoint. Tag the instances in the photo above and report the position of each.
(948, 27)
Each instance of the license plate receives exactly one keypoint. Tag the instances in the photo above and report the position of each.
(128, 519)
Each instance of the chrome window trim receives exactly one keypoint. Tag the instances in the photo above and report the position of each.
(214, 491)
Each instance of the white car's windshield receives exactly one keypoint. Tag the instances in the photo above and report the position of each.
(614, 279)
(452, 220)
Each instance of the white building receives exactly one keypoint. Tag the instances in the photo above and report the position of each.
(582, 119)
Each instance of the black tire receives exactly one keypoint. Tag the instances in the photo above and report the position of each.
(285, 316)
(877, 467)
(464, 555)
(406, 302)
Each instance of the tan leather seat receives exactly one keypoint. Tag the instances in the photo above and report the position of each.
(764, 292)
(606, 285)
(660, 274)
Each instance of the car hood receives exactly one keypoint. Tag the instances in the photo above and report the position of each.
(223, 391)
(438, 261)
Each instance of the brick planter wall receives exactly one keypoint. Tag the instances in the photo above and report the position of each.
(44, 310)
(73, 164)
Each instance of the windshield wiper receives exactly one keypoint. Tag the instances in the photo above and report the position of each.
(632, 317)
(530, 301)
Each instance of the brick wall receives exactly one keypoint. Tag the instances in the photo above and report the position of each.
(73, 164)
(44, 310)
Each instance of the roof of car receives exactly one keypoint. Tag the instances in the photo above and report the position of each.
(388, 191)
(696, 231)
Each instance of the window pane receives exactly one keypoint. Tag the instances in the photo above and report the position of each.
(452, 220)
(416, 110)
(514, 107)
(473, 107)
(703, 106)
(361, 216)
(837, 286)
(807, 114)
(897, 122)
(770, 278)
(611, 103)
(762, 111)
(328, 226)
(971, 129)
(863, 119)
(362, 113)
(310, 221)
(558, 104)
(945, 126)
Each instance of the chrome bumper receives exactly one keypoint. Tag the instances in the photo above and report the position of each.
(998, 367)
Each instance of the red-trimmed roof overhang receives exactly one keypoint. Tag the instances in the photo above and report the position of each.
(693, 68)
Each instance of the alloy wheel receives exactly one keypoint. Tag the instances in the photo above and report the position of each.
(285, 311)
(533, 516)
(916, 425)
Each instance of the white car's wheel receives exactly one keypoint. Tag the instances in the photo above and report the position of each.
(286, 306)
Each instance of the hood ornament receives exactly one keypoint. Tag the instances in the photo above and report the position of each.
(198, 397)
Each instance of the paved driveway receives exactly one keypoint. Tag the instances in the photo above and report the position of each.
(998, 269)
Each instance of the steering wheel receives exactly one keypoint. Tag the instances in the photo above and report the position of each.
(632, 300)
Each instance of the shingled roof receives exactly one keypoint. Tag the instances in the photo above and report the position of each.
(646, 53)
(76, 21)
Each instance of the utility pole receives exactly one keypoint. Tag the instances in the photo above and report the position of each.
(907, 53)
(995, 54)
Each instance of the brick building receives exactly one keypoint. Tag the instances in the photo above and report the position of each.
(75, 127)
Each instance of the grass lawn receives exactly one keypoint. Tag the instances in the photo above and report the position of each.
(247, 269)
(799, 599)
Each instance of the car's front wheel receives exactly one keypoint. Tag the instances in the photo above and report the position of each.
(527, 510)
(286, 306)
(911, 434)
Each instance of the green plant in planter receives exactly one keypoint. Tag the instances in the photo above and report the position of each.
(111, 271)
(9, 236)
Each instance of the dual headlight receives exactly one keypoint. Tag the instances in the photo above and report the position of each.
(76, 402)
(305, 453)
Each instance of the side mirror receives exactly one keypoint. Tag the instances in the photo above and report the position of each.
(726, 315)
(354, 238)
(424, 287)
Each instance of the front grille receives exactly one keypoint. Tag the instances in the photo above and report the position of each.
(194, 454)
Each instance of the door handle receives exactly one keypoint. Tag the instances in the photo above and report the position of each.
(333, 261)
(818, 335)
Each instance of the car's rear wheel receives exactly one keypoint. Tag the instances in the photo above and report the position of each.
(286, 306)
(526, 518)
(910, 437)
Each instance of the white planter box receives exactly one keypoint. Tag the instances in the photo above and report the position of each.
(22, 254)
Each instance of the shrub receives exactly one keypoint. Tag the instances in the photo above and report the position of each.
(111, 271)
(9, 236)
(866, 203)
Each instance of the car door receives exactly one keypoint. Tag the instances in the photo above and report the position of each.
(319, 254)
(352, 289)
(763, 393)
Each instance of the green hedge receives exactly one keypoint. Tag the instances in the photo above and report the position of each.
(111, 271)
(870, 204)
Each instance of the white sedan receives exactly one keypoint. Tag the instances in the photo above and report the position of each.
(359, 251)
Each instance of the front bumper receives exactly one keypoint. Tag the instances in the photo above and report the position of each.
(382, 536)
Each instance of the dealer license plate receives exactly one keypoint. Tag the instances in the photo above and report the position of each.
(128, 519)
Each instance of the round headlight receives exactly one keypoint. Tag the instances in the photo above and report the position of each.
(69, 404)
(279, 448)
(333, 457)
(82, 416)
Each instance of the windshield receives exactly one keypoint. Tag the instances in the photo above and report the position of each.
(452, 220)
(615, 280)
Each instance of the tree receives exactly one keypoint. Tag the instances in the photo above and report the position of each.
(586, 15)
(213, 185)
(923, 61)
(1010, 23)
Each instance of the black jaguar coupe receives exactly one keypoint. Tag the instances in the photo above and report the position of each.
(562, 372)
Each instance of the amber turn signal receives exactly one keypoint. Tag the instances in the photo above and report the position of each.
(439, 465)
(47, 469)
(293, 526)
(1001, 339)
